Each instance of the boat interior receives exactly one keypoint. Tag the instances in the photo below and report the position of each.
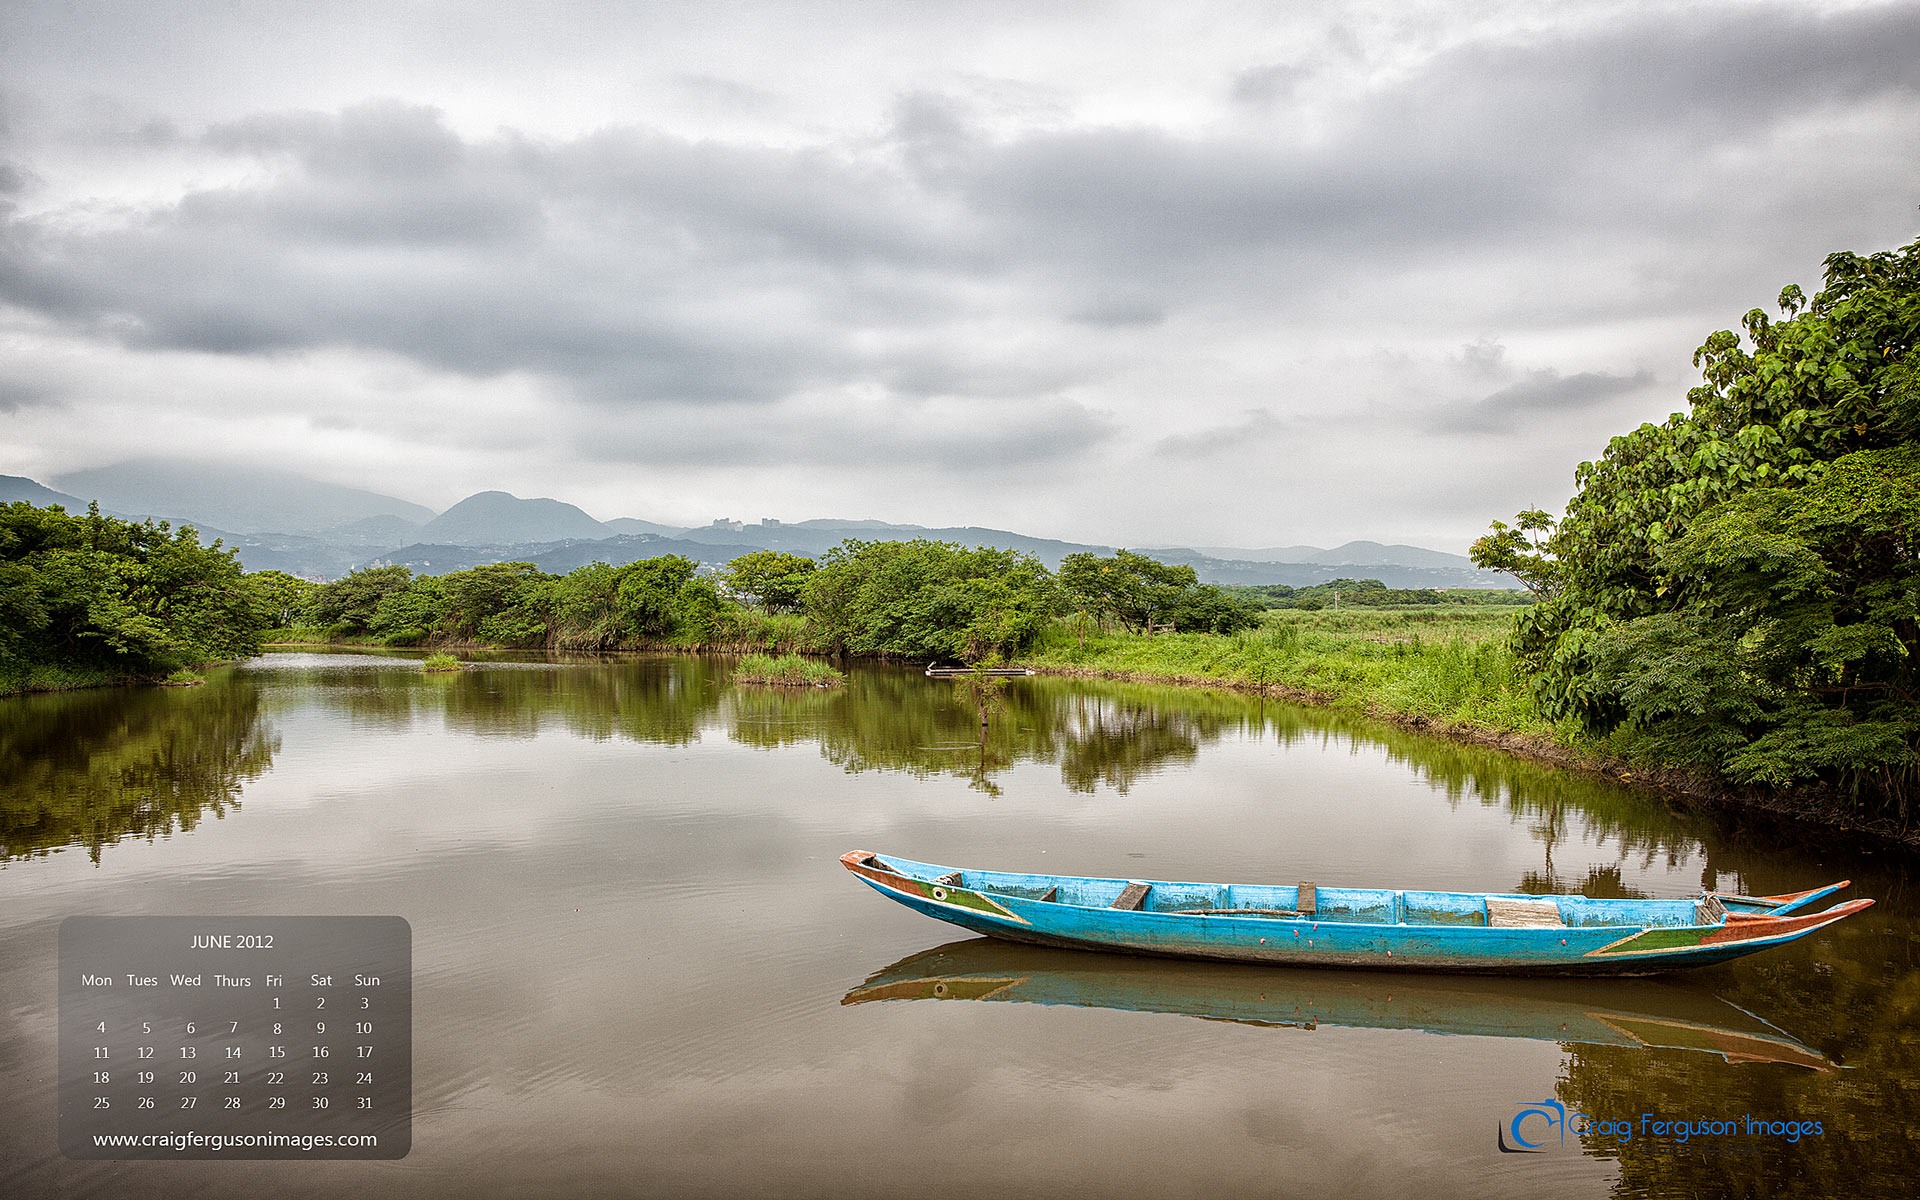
(1307, 901)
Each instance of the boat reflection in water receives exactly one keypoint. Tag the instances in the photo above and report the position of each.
(1647, 1014)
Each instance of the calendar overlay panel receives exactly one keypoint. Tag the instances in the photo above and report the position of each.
(236, 1037)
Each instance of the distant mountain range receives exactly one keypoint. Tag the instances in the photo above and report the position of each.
(282, 521)
(245, 499)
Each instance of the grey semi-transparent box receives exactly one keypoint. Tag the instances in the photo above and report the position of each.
(236, 1037)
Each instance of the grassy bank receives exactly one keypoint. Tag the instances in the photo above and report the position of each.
(1444, 670)
(56, 677)
(1442, 666)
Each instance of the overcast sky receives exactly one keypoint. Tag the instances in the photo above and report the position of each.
(1208, 273)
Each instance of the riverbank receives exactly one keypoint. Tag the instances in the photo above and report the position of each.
(51, 677)
(1446, 672)
(1439, 665)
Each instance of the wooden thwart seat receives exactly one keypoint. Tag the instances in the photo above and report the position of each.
(1309, 902)
(1523, 914)
(1132, 896)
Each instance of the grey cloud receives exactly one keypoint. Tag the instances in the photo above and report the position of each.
(1259, 425)
(1120, 312)
(728, 93)
(811, 204)
(935, 373)
(638, 268)
(935, 135)
(447, 256)
(17, 395)
(1740, 67)
(985, 439)
(1484, 359)
(102, 120)
(376, 173)
(1542, 393)
(1489, 150)
(1262, 86)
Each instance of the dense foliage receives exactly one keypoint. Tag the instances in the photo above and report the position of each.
(1143, 593)
(908, 599)
(772, 579)
(1738, 586)
(1370, 593)
(94, 599)
(597, 607)
(921, 598)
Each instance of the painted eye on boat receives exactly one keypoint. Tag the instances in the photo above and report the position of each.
(939, 893)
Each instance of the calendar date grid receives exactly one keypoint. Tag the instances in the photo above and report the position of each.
(301, 1048)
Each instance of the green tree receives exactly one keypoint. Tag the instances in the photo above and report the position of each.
(502, 603)
(348, 603)
(1208, 609)
(282, 599)
(700, 611)
(647, 596)
(1737, 583)
(585, 608)
(921, 598)
(408, 616)
(1131, 588)
(95, 598)
(772, 579)
(1788, 651)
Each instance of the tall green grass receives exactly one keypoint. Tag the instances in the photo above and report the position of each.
(787, 670)
(1449, 665)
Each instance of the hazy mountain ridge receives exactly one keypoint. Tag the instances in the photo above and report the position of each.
(19, 487)
(1350, 554)
(331, 529)
(492, 518)
(245, 499)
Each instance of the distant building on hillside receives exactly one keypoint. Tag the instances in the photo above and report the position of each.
(728, 524)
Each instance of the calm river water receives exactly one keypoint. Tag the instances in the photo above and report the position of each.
(638, 968)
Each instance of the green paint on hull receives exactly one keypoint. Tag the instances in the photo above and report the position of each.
(1657, 939)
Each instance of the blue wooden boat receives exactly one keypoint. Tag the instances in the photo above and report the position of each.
(1642, 1014)
(1306, 925)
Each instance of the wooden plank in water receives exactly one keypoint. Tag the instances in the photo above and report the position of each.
(968, 672)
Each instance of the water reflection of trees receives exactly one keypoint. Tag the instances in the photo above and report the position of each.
(1117, 741)
(1862, 1017)
(899, 721)
(1099, 734)
(663, 700)
(95, 767)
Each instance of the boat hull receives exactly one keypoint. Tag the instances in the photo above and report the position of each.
(1304, 941)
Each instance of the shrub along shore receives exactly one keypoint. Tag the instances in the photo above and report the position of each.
(1445, 671)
